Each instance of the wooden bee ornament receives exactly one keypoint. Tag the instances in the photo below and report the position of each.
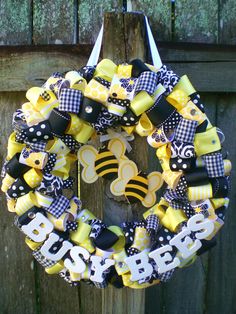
(103, 163)
(135, 185)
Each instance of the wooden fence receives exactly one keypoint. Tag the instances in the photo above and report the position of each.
(195, 37)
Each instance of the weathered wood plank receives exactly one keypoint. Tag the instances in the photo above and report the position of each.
(15, 22)
(196, 21)
(17, 289)
(221, 281)
(159, 13)
(90, 15)
(53, 22)
(227, 23)
(32, 65)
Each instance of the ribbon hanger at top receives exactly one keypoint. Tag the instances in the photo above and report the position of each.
(156, 60)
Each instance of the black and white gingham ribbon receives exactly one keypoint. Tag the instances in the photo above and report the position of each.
(214, 165)
(58, 206)
(70, 100)
(164, 277)
(147, 82)
(152, 225)
(46, 263)
(38, 146)
(185, 130)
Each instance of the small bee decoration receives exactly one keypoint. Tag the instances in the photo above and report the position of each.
(103, 163)
(135, 185)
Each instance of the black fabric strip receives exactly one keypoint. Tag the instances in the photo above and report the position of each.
(136, 191)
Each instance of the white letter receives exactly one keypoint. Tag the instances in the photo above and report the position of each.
(161, 260)
(38, 229)
(78, 266)
(198, 222)
(186, 247)
(53, 237)
(98, 268)
(139, 266)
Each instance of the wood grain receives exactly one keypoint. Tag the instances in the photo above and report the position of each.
(227, 22)
(90, 15)
(196, 21)
(15, 22)
(221, 280)
(53, 22)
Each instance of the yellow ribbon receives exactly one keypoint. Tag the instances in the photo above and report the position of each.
(56, 146)
(186, 262)
(178, 98)
(124, 70)
(218, 224)
(59, 223)
(141, 103)
(106, 69)
(85, 133)
(43, 106)
(75, 124)
(192, 112)
(144, 126)
(11, 205)
(172, 177)
(134, 284)
(25, 202)
(7, 182)
(196, 193)
(32, 115)
(76, 81)
(219, 202)
(43, 200)
(31, 244)
(36, 160)
(33, 177)
(96, 91)
(206, 142)
(120, 265)
(185, 85)
(82, 232)
(141, 239)
(55, 269)
(164, 153)
(227, 167)
(169, 217)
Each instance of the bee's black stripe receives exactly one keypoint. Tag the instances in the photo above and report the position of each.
(136, 191)
(111, 158)
(138, 183)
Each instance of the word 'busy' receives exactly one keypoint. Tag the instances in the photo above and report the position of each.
(40, 229)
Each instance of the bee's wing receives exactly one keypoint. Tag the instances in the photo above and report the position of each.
(118, 148)
(127, 170)
(86, 156)
(155, 182)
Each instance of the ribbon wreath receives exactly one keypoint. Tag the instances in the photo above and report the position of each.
(53, 129)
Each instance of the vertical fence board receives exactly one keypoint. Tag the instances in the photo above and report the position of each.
(159, 14)
(15, 22)
(227, 22)
(221, 281)
(90, 16)
(53, 22)
(196, 21)
(17, 289)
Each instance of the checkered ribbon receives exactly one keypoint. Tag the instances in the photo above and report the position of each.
(147, 82)
(164, 277)
(66, 276)
(58, 206)
(152, 225)
(167, 78)
(38, 146)
(59, 86)
(185, 130)
(41, 259)
(45, 95)
(101, 285)
(214, 165)
(70, 100)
